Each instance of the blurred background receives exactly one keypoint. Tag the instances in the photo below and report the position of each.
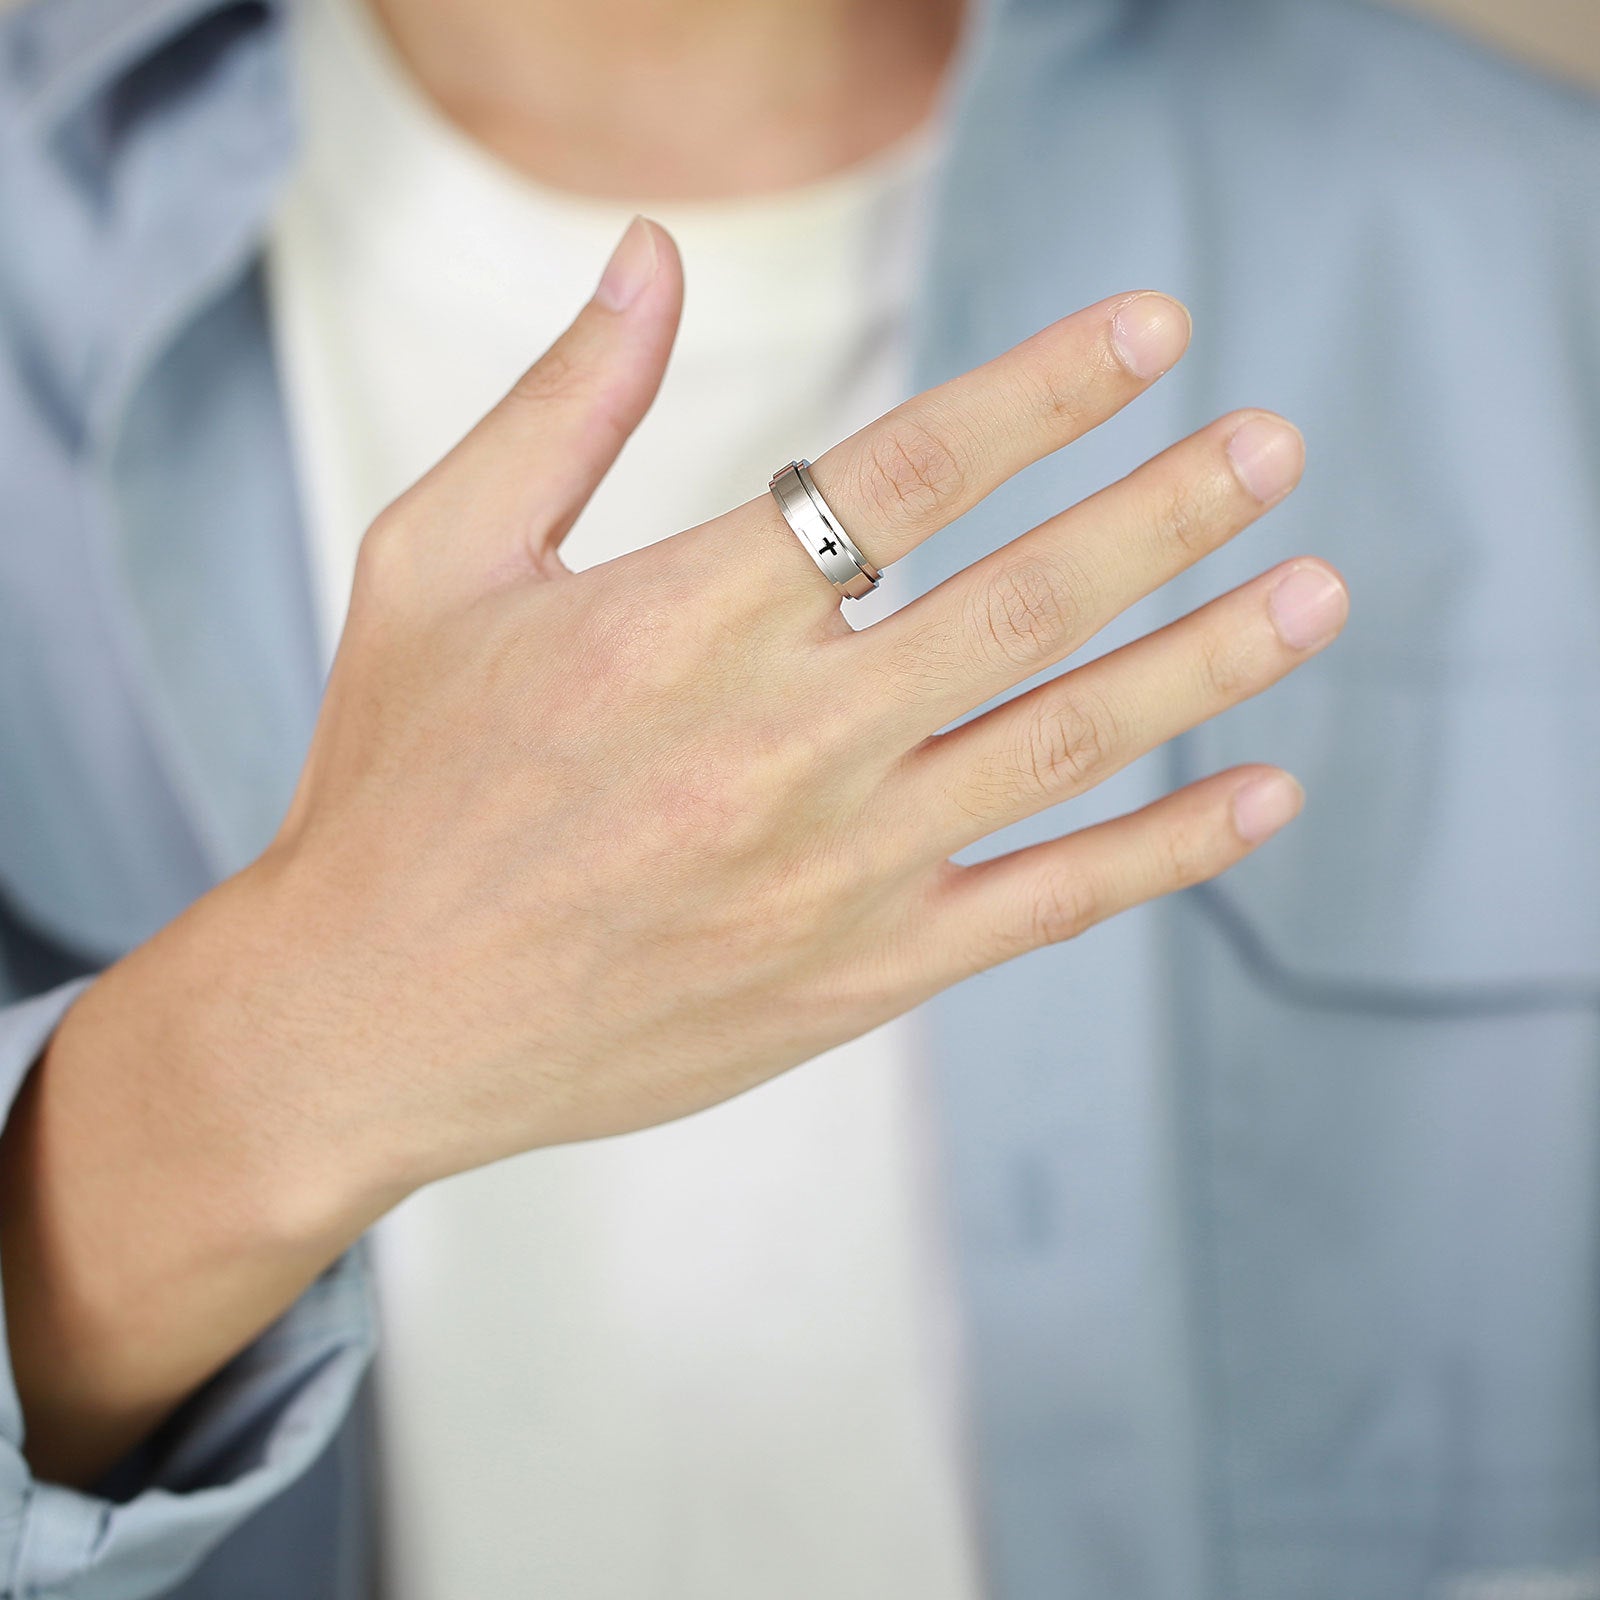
(1562, 35)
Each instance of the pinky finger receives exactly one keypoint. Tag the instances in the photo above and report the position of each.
(1054, 891)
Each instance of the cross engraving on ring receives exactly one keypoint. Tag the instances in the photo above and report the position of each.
(828, 547)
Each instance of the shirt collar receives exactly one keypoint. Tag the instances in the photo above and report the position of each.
(59, 56)
(146, 140)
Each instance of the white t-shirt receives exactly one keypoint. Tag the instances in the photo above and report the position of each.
(711, 1361)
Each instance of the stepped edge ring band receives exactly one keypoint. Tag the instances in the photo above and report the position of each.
(816, 527)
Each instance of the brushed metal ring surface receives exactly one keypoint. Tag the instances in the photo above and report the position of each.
(816, 527)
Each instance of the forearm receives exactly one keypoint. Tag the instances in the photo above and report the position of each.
(166, 1190)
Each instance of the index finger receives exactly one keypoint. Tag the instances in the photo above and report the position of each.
(936, 455)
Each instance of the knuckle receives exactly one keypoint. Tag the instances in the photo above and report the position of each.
(1185, 858)
(1188, 519)
(910, 471)
(556, 375)
(1024, 614)
(1224, 668)
(1069, 744)
(1065, 395)
(1063, 906)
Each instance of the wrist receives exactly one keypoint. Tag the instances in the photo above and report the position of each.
(255, 1040)
(196, 1069)
(175, 1173)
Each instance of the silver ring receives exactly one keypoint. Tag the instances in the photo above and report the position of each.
(816, 527)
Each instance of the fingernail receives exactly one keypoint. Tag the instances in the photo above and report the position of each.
(1149, 334)
(1308, 607)
(1264, 805)
(631, 267)
(1268, 455)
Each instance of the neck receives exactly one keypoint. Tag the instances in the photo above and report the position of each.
(677, 99)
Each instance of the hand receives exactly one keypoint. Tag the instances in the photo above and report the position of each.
(576, 853)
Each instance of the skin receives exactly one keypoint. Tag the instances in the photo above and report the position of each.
(573, 854)
(678, 99)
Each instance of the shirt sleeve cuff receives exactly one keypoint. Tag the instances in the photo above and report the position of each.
(239, 1441)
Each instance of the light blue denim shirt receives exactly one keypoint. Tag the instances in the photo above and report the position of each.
(1276, 1205)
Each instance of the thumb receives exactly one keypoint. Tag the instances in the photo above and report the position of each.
(534, 461)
